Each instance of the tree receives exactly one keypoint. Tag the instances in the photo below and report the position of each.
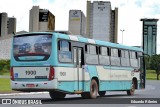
(155, 63)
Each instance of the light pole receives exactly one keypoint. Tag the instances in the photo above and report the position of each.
(122, 30)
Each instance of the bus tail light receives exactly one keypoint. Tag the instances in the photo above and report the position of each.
(12, 74)
(51, 73)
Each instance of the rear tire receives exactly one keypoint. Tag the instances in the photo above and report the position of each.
(57, 95)
(132, 90)
(93, 91)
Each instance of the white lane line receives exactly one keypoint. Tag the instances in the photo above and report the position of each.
(13, 94)
(131, 106)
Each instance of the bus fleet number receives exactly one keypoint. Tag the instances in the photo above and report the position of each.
(31, 72)
(62, 73)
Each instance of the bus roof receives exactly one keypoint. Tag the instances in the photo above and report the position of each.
(98, 42)
(87, 40)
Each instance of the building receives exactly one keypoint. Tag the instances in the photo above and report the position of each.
(114, 26)
(3, 24)
(102, 21)
(11, 25)
(149, 43)
(6, 44)
(77, 22)
(7, 24)
(41, 20)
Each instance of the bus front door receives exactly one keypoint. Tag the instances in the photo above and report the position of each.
(79, 73)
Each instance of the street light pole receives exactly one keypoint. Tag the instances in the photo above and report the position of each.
(122, 34)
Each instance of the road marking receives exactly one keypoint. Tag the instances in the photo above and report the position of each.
(131, 106)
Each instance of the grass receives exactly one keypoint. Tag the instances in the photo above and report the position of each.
(5, 73)
(5, 85)
(151, 75)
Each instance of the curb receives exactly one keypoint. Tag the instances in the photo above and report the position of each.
(30, 93)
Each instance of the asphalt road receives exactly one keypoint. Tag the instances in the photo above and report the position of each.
(112, 99)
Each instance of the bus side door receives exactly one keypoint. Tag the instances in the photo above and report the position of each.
(79, 73)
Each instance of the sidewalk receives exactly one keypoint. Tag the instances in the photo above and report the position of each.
(4, 76)
(21, 93)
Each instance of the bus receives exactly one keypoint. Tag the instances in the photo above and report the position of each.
(67, 64)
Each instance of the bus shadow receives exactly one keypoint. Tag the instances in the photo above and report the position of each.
(80, 100)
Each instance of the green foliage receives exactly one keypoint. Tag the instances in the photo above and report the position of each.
(147, 62)
(154, 62)
(4, 66)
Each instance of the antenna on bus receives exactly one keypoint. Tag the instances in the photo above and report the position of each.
(14, 34)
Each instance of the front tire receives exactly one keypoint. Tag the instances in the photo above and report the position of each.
(132, 90)
(57, 95)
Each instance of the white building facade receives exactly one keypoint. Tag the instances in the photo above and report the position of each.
(5, 46)
(77, 22)
(41, 20)
(7, 24)
(99, 21)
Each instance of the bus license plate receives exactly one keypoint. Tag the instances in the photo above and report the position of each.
(30, 85)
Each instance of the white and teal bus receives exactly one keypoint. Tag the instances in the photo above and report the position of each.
(65, 64)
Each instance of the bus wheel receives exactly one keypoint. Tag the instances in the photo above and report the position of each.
(57, 95)
(132, 90)
(102, 93)
(93, 89)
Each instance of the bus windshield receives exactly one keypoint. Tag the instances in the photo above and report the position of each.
(32, 47)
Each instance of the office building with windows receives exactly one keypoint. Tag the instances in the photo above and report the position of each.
(7, 24)
(41, 20)
(77, 22)
(149, 43)
(102, 21)
(3, 24)
(11, 25)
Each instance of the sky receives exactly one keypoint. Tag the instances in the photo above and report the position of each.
(130, 12)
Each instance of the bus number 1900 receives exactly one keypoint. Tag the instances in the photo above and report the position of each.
(31, 72)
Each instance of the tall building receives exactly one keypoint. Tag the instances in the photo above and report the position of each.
(3, 24)
(102, 21)
(41, 20)
(149, 43)
(7, 24)
(11, 25)
(77, 22)
(114, 26)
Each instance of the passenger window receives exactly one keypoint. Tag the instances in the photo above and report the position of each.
(133, 59)
(125, 58)
(65, 54)
(103, 56)
(115, 57)
(91, 54)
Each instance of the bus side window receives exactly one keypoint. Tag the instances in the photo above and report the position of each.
(91, 54)
(115, 59)
(104, 56)
(125, 58)
(133, 59)
(65, 54)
